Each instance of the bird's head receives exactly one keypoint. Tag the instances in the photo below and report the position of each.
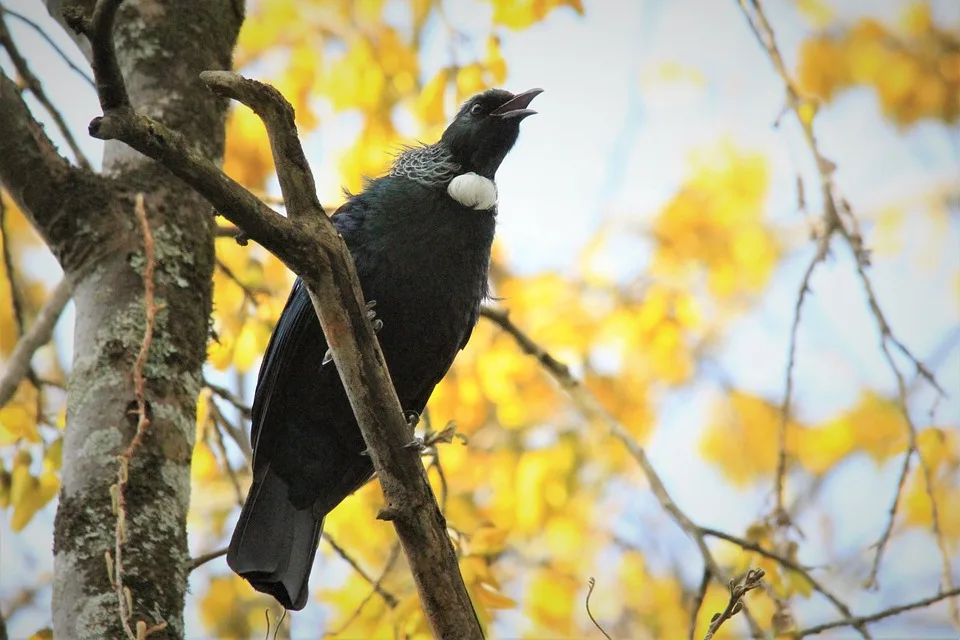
(486, 128)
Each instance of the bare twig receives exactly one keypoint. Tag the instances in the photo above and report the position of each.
(592, 410)
(248, 293)
(591, 583)
(789, 564)
(698, 602)
(216, 419)
(782, 516)
(376, 588)
(39, 334)
(739, 587)
(53, 45)
(388, 597)
(880, 615)
(33, 83)
(124, 596)
(206, 557)
(230, 397)
(835, 221)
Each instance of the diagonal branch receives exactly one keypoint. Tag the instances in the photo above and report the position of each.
(36, 176)
(950, 595)
(67, 60)
(592, 410)
(33, 83)
(18, 365)
(307, 243)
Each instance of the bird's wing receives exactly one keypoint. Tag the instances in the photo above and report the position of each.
(297, 329)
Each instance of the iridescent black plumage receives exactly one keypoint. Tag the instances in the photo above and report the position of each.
(423, 257)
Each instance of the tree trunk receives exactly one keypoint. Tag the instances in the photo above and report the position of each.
(90, 225)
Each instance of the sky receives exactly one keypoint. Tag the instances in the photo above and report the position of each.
(612, 142)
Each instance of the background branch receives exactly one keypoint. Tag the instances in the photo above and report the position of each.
(39, 334)
(839, 218)
(35, 87)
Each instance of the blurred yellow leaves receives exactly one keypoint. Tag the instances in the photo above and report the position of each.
(915, 68)
(521, 14)
(715, 223)
(25, 492)
(940, 453)
(744, 438)
(250, 287)
(247, 157)
(229, 608)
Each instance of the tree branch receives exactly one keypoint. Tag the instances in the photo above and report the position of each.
(592, 410)
(18, 365)
(308, 244)
(880, 615)
(849, 229)
(36, 176)
(33, 83)
(67, 60)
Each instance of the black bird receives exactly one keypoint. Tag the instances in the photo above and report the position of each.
(420, 237)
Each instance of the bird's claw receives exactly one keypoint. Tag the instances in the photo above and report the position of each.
(365, 452)
(412, 418)
(372, 316)
(416, 443)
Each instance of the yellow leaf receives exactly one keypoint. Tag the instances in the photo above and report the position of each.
(430, 102)
(520, 14)
(492, 599)
(470, 80)
(18, 418)
(488, 541)
(247, 157)
(817, 12)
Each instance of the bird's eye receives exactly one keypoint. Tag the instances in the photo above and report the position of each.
(475, 109)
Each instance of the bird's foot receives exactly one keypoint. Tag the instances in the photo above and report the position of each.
(365, 452)
(371, 316)
(412, 418)
(417, 443)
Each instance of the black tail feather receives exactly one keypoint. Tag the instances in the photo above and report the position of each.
(274, 543)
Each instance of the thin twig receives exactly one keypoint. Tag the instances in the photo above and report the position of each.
(222, 448)
(789, 564)
(50, 41)
(782, 517)
(591, 583)
(739, 587)
(39, 334)
(248, 293)
(124, 597)
(833, 212)
(388, 597)
(33, 83)
(698, 602)
(205, 558)
(592, 410)
(391, 560)
(230, 397)
(880, 615)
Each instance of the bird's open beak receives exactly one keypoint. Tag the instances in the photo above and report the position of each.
(516, 107)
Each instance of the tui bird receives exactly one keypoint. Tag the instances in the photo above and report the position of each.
(420, 237)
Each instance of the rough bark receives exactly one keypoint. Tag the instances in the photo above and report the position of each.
(88, 221)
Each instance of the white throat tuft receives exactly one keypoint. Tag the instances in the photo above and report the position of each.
(473, 191)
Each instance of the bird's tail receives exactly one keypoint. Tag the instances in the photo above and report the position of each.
(274, 543)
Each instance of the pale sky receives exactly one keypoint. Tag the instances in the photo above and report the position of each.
(611, 142)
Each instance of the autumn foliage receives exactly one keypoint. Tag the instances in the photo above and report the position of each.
(537, 497)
